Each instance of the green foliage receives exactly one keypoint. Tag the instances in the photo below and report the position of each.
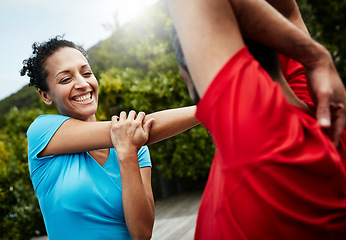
(110, 84)
(25, 98)
(151, 83)
(326, 21)
(20, 216)
(185, 155)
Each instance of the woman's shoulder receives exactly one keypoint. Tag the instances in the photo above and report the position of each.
(45, 117)
(45, 121)
(49, 118)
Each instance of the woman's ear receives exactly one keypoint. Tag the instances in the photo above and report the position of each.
(45, 97)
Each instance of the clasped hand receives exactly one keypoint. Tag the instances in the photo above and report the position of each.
(130, 133)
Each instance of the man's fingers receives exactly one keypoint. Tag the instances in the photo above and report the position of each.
(336, 132)
(323, 115)
(332, 118)
(339, 121)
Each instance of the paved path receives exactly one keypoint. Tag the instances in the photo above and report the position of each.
(175, 217)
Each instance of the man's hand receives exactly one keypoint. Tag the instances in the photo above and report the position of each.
(325, 85)
(328, 92)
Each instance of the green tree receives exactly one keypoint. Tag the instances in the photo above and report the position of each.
(141, 73)
(326, 20)
(20, 216)
(155, 86)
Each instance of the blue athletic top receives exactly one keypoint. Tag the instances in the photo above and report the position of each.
(79, 198)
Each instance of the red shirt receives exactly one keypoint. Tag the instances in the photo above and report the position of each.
(295, 76)
(275, 175)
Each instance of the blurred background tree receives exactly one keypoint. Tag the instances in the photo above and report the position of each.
(20, 216)
(137, 69)
(145, 77)
(326, 20)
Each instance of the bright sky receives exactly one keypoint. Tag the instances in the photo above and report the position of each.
(23, 22)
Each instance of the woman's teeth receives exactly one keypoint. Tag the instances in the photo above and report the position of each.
(83, 98)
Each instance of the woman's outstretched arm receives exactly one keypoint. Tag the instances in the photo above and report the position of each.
(78, 136)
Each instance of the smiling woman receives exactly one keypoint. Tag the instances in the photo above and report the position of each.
(73, 157)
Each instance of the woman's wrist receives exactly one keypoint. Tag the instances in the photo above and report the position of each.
(127, 156)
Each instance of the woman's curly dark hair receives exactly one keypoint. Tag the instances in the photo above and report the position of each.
(34, 65)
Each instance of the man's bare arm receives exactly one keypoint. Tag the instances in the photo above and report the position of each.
(213, 29)
(289, 9)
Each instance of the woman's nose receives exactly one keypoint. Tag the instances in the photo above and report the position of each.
(81, 82)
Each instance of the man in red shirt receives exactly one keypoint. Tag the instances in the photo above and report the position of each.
(275, 175)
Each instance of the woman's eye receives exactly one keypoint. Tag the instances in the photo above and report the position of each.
(65, 80)
(87, 74)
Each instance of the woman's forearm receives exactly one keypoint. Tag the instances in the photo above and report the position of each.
(171, 122)
(138, 201)
(128, 134)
